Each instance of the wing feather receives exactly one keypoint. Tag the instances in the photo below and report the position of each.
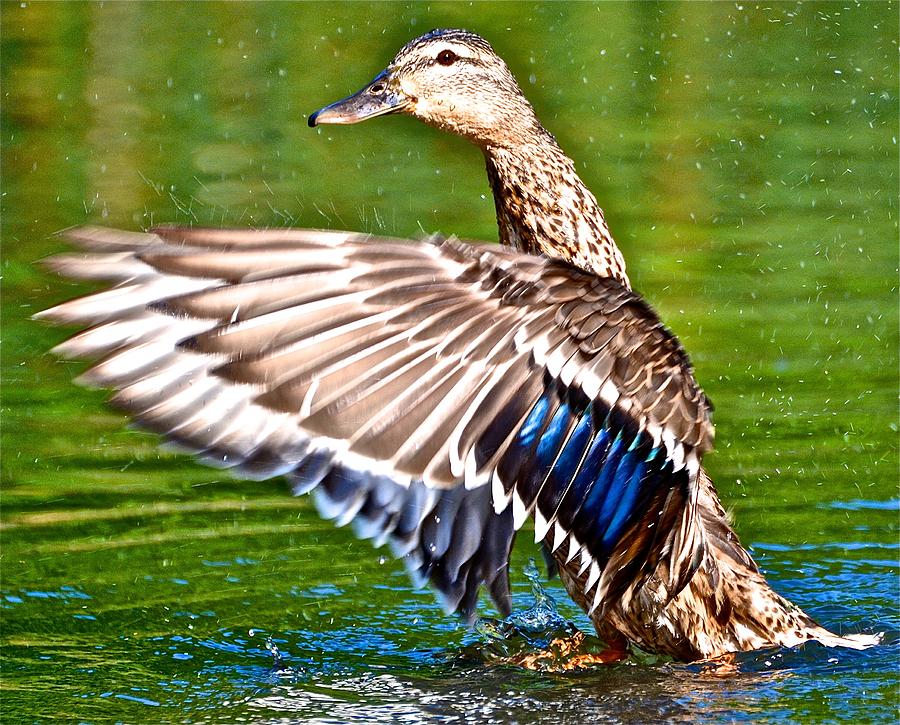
(398, 380)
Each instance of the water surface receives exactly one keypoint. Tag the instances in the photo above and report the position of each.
(747, 159)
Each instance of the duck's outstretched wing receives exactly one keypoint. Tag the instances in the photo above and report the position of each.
(434, 393)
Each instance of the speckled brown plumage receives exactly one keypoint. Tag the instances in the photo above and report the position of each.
(726, 606)
(543, 207)
(437, 394)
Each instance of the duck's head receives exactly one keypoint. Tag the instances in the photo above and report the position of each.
(451, 79)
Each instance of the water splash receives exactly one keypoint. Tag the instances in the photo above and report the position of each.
(277, 661)
(280, 668)
(538, 638)
(541, 618)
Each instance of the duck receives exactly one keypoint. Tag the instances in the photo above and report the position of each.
(437, 394)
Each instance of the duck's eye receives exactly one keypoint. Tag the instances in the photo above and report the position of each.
(447, 57)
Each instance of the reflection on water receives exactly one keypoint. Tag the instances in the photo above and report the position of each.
(746, 157)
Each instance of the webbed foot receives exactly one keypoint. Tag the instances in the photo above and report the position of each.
(563, 655)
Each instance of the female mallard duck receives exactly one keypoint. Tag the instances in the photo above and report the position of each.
(438, 393)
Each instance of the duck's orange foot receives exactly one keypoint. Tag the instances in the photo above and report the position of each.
(565, 654)
(725, 665)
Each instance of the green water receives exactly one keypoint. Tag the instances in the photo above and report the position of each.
(747, 159)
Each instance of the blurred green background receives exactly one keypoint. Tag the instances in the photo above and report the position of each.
(747, 159)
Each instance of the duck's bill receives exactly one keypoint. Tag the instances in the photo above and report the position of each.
(376, 99)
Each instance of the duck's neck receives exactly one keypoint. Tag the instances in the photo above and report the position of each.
(544, 208)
